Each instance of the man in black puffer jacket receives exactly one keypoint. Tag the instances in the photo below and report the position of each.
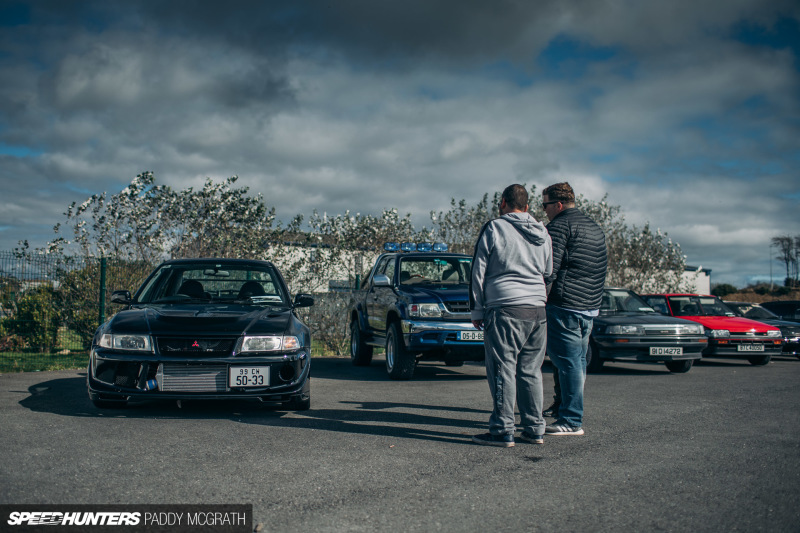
(575, 289)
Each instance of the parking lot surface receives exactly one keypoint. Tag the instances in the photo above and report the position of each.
(715, 449)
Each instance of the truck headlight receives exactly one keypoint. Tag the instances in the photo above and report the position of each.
(424, 310)
(624, 330)
(718, 333)
(117, 341)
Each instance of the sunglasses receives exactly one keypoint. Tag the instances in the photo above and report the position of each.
(545, 204)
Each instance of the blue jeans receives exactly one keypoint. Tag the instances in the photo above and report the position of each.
(567, 344)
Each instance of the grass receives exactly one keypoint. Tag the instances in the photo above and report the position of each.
(32, 362)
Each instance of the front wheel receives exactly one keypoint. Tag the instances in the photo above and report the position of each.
(679, 367)
(594, 363)
(399, 361)
(760, 359)
(360, 352)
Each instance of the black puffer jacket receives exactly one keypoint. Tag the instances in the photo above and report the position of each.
(580, 260)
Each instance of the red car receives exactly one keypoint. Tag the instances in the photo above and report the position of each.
(728, 334)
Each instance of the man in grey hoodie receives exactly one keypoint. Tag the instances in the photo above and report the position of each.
(512, 257)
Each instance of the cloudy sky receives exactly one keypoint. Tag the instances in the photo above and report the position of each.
(686, 113)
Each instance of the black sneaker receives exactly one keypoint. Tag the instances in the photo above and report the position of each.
(487, 439)
(562, 429)
(533, 439)
(551, 411)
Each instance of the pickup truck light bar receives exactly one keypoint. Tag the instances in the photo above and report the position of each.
(415, 247)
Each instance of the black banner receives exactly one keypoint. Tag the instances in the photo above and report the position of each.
(194, 518)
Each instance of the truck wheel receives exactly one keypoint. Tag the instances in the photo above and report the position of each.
(594, 363)
(760, 359)
(399, 362)
(360, 353)
(679, 367)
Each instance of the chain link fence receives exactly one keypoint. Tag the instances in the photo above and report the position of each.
(50, 307)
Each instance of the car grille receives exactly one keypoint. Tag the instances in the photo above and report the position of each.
(192, 378)
(195, 346)
(458, 307)
(663, 330)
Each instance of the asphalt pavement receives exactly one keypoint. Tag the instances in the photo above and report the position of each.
(715, 449)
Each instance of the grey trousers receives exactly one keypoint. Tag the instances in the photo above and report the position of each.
(515, 349)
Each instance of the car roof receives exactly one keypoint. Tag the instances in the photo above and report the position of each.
(216, 260)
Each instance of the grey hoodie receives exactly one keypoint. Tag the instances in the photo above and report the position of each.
(512, 257)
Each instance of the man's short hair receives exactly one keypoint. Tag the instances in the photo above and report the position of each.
(560, 192)
(516, 196)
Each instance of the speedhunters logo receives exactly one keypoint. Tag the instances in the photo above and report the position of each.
(194, 518)
(44, 518)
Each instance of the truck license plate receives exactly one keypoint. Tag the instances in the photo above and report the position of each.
(470, 336)
(750, 348)
(248, 376)
(656, 350)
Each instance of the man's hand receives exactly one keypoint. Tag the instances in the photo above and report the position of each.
(478, 324)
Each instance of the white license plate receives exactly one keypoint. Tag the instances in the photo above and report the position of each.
(750, 348)
(248, 376)
(656, 350)
(470, 336)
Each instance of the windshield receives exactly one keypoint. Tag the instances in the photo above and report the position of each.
(699, 306)
(214, 282)
(752, 311)
(434, 270)
(623, 301)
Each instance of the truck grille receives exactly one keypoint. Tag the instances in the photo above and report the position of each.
(457, 307)
(192, 378)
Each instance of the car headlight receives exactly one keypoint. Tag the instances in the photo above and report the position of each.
(424, 310)
(117, 341)
(624, 330)
(774, 333)
(718, 333)
(691, 329)
(269, 343)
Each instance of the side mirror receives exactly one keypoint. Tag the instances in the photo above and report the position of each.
(121, 297)
(381, 280)
(303, 300)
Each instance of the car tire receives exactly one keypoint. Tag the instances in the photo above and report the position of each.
(110, 404)
(594, 363)
(360, 352)
(400, 362)
(679, 367)
(760, 360)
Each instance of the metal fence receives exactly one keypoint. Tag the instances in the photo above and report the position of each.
(51, 305)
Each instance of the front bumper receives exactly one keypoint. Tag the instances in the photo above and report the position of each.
(637, 348)
(440, 335)
(791, 346)
(742, 347)
(120, 376)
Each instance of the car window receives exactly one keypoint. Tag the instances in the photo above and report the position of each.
(434, 270)
(659, 303)
(215, 282)
(755, 312)
(388, 268)
(618, 300)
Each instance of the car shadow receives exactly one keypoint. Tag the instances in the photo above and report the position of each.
(343, 368)
(67, 397)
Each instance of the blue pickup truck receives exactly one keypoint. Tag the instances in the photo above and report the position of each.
(415, 304)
